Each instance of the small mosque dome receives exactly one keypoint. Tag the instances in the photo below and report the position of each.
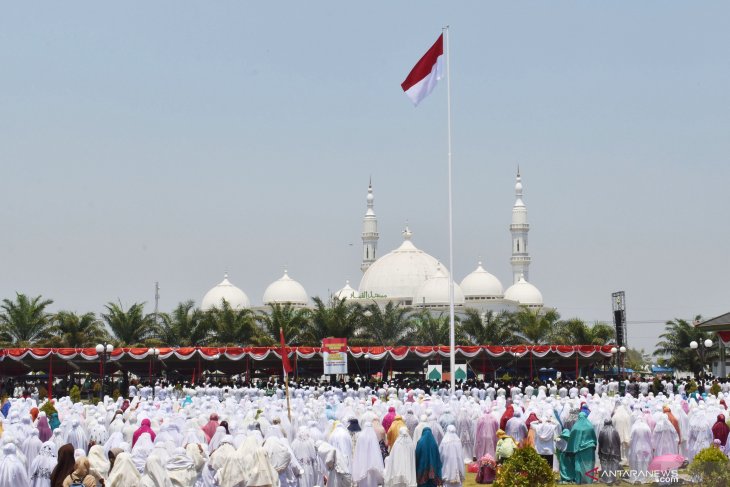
(524, 293)
(435, 291)
(481, 285)
(225, 291)
(286, 290)
(346, 292)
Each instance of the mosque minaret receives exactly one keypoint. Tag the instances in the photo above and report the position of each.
(369, 232)
(519, 229)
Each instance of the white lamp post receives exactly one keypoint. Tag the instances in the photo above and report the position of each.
(104, 351)
(701, 351)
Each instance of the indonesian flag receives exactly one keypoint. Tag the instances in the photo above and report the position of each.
(422, 79)
(284, 356)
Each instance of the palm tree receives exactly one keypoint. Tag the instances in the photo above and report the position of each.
(535, 327)
(389, 326)
(432, 329)
(291, 319)
(131, 327)
(488, 328)
(675, 345)
(77, 331)
(24, 322)
(233, 327)
(185, 326)
(576, 332)
(338, 319)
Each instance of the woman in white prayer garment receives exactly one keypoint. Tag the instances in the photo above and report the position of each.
(341, 439)
(218, 458)
(400, 466)
(12, 471)
(26, 426)
(164, 450)
(31, 446)
(215, 441)
(98, 462)
(181, 469)
(198, 455)
(666, 440)
(622, 423)
(42, 466)
(640, 450)
(306, 454)
(516, 427)
(367, 464)
(155, 474)
(418, 430)
(115, 439)
(452, 459)
(336, 465)
(141, 451)
(57, 438)
(283, 460)
(232, 473)
(700, 431)
(256, 465)
(77, 436)
(124, 473)
(465, 428)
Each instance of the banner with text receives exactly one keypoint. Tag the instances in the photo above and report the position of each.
(334, 354)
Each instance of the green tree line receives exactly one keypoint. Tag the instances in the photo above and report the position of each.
(25, 322)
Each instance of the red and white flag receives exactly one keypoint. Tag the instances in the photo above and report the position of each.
(285, 363)
(422, 79)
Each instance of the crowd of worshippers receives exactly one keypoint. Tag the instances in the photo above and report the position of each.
(341, 436)
(169, 387)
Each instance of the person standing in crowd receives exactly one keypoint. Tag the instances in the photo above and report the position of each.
(64, 466)
(609, 447)
(428, 460)
(545, 433)
(582, 445)
(452, 459)
(400, 466)
(506, 446)
(80, 475)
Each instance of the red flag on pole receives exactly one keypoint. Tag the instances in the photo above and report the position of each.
(284, 356)
(425, 74)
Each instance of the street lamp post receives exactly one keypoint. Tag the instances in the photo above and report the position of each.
(154, 353)
(215, 358)
(701, 351)
(104, 351)
(619, 353)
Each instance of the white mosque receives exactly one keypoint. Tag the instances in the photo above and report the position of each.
(410, 276)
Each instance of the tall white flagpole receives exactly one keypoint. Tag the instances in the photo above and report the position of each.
(452, 338)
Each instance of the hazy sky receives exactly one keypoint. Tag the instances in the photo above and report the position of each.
(174, 141)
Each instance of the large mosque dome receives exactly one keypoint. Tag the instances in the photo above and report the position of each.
(435, 291)
(236, 298)
(481, 285)
(399, 274)
(286, 290)
(524, 293)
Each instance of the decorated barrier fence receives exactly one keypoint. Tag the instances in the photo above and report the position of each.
(261, 353)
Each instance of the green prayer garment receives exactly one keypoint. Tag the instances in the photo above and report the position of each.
(567, 466)
(582, 445)
(585, 461)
